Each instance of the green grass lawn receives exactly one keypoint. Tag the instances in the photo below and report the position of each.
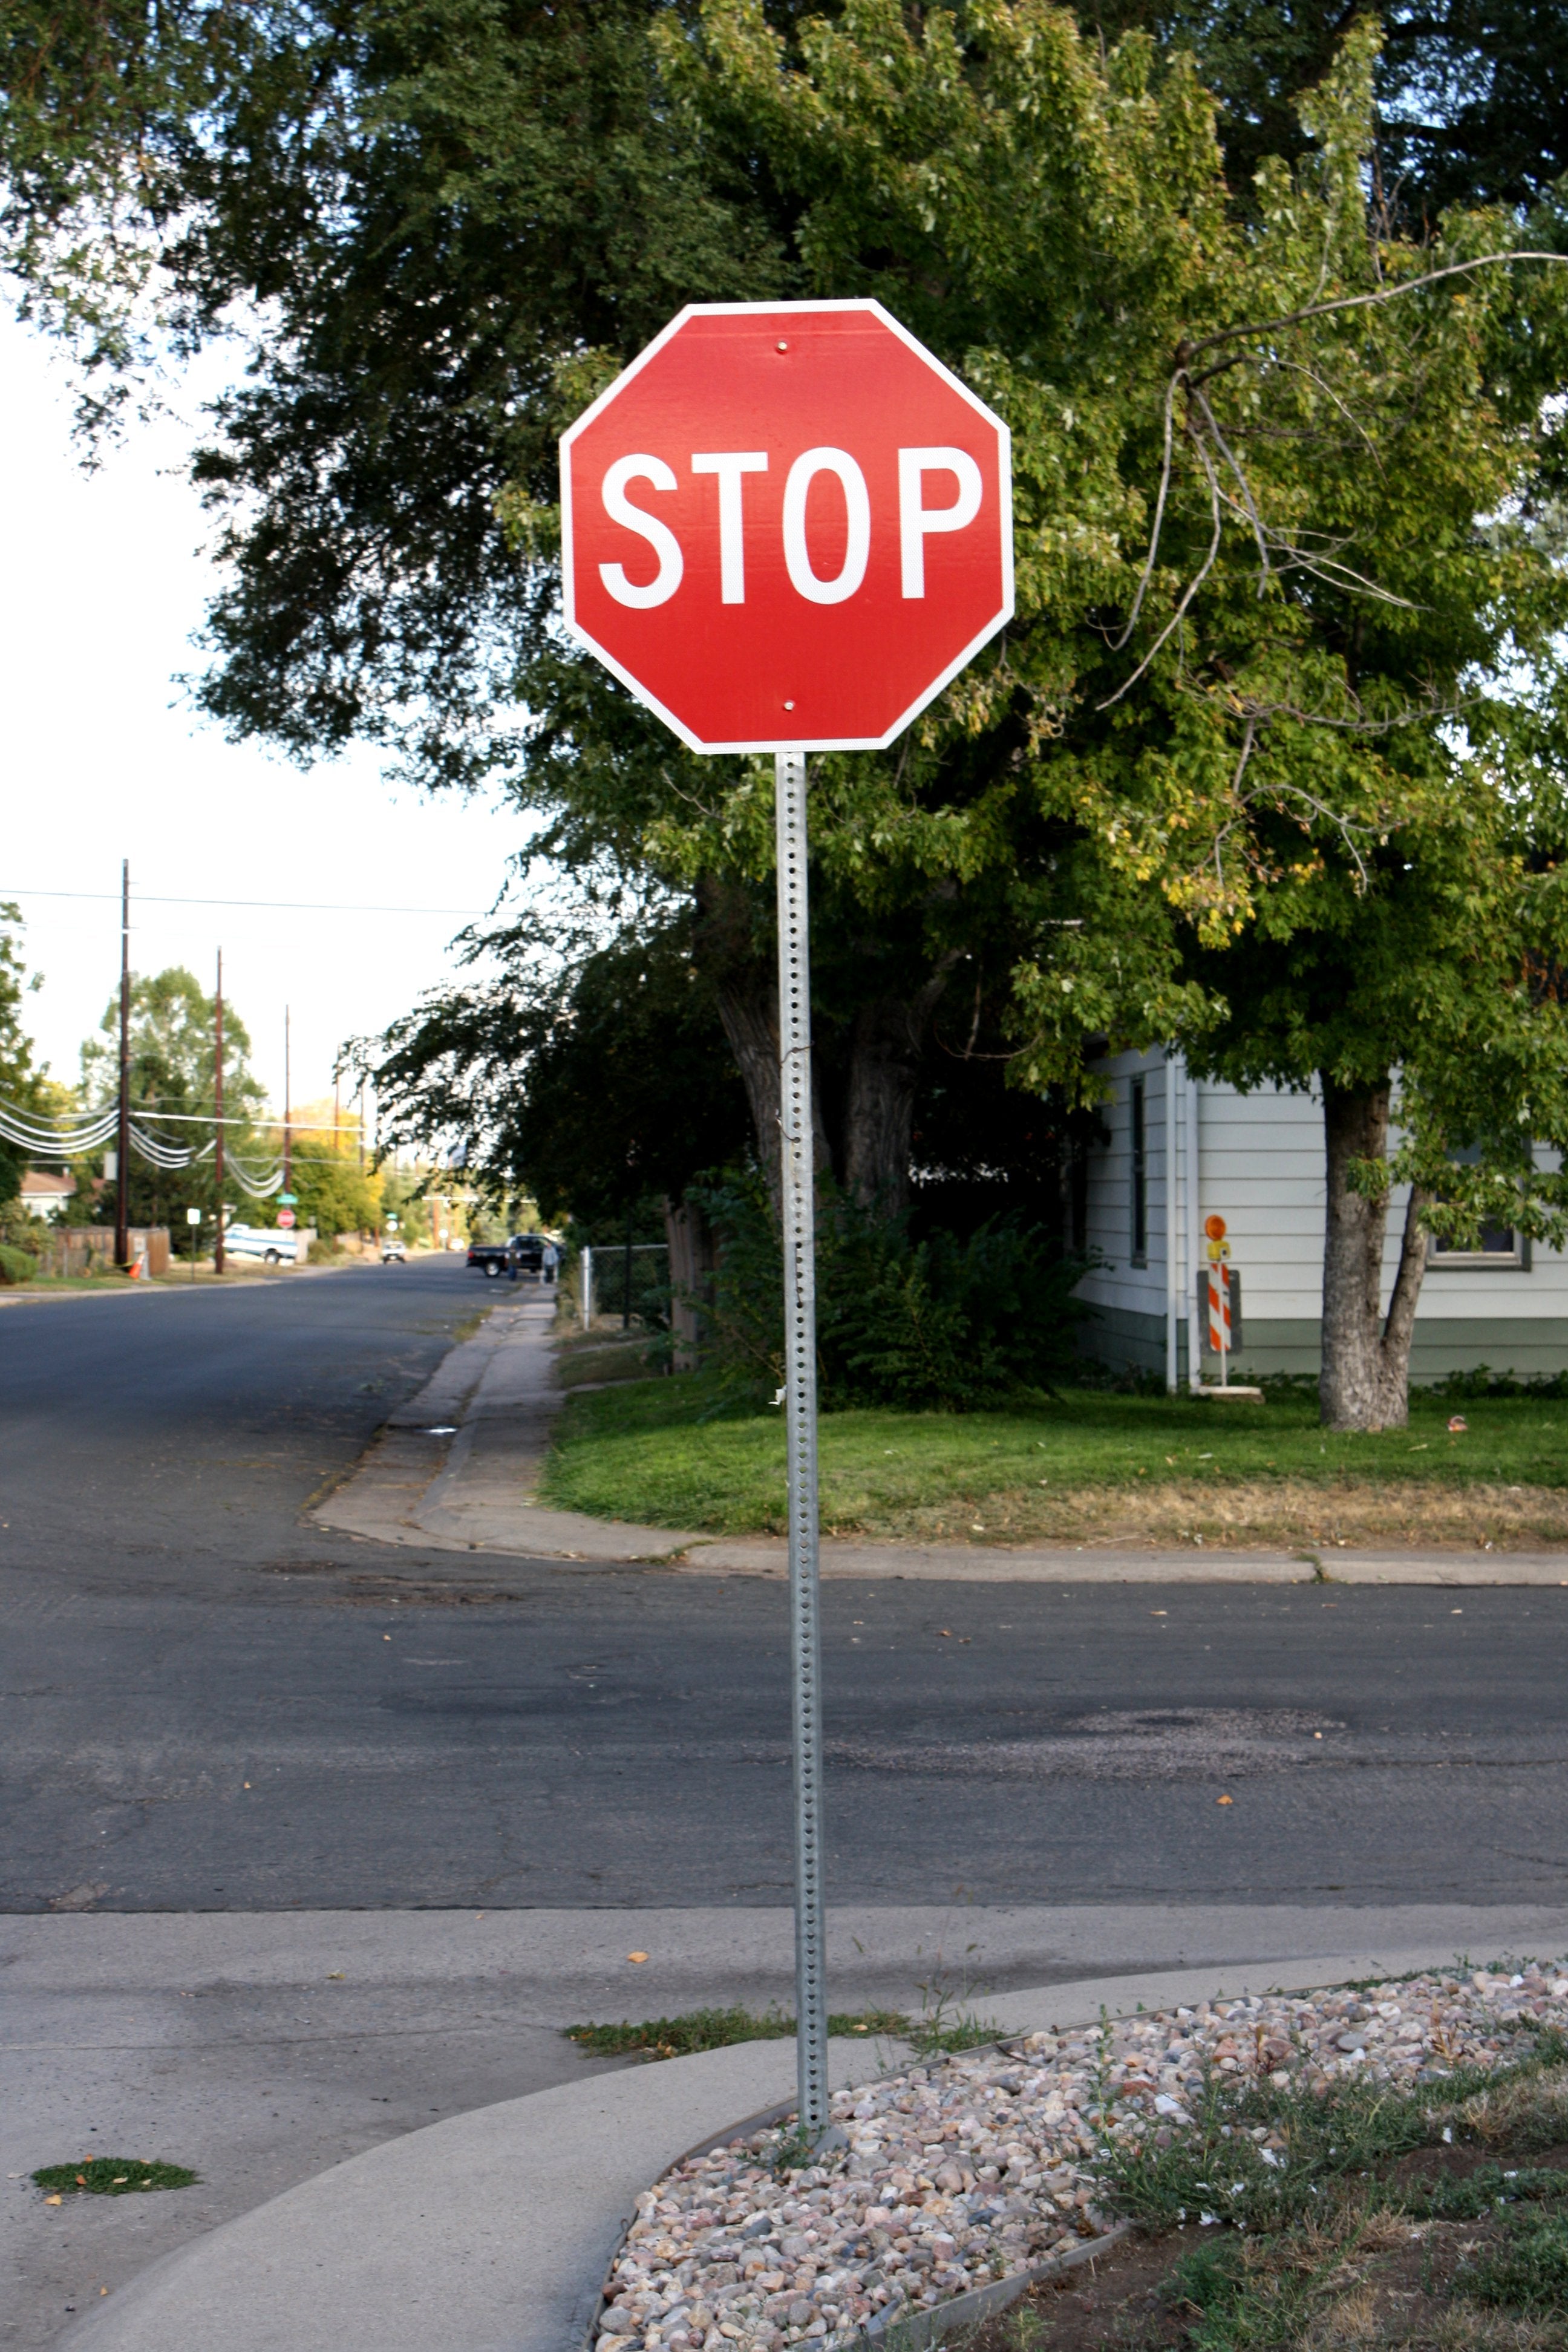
(668, 1454)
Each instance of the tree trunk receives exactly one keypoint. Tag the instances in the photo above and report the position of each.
(886, 1049)
(690, 1267)
(1365, 1378)
(748, 1009)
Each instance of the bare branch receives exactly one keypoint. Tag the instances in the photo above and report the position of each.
(1193, 586)
(1362, 302)
(1148, 571)
(1258, 533)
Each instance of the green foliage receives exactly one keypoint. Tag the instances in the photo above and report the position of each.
(113, 2176)
(1269, 762)
(1311, 2183)
(173, 1039)
(16, 1265)
(1475, 2195)
(1529, 2271)
(694, 1452)
(336, 1196)
(640, 1288)
(1262, 2157)
(433, 205)
(592, 1077)
(20, 1082)
(1472, 94)
(941, 1322)
(401, 1197)
(718, 2029)
(1483, 1381)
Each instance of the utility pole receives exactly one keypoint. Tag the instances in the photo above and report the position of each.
(122, 1138)
(218, 1109)
(288, 1103)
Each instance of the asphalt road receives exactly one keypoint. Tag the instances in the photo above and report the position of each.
(210, 1705)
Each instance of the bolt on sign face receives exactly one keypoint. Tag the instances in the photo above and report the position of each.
(786, 527)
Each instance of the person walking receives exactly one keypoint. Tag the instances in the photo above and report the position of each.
(550, 1261)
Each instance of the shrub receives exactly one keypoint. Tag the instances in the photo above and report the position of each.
(16, 1265)
(949, 1322)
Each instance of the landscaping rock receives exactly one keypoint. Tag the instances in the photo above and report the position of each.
(969, 2168)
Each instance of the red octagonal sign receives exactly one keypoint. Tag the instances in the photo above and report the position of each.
(786, 526)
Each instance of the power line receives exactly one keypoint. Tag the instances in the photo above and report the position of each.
(296, 906)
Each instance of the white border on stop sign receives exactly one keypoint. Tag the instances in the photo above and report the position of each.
(777, 742)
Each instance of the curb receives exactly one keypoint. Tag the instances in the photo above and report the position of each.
(495, 2225)
(919, 2329)
(470, 1502)
(759, 2122)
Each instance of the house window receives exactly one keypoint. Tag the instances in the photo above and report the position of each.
(1140, 1179)
(1500, 1246)
(1496, 1246)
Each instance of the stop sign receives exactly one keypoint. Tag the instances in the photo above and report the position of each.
(786, 526)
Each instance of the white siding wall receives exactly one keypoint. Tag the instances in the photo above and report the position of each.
(1119, 1284)
(1261, 1167)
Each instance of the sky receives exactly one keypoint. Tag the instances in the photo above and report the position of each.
(102, 592)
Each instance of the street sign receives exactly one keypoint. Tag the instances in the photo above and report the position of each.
(285, 1218)
(288, 1199)
(193, 1217)
(787, 525)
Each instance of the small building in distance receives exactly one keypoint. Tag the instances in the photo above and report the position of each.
(45, 1196)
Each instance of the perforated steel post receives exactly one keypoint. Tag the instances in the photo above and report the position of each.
(800, 1398)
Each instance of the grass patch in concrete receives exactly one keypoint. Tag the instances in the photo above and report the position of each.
(111, 2176)
(718, 2029)
(937, 2032)
(673, 1453)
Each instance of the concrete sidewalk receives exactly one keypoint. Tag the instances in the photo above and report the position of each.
(491, 2231)
(269, 2049)
(458, 1467)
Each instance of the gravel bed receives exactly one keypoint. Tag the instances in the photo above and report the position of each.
(969, 2168)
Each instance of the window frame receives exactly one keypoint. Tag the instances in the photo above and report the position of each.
(1517, 1260)
(1138, 1168)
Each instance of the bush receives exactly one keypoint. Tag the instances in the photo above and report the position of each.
(1461, 1388)
(16, 1265)
(949, 1322)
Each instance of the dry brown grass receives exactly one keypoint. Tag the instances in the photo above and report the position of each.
(1277, 1512)
(1528, 2111)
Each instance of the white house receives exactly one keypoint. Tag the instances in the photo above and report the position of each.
(45, 1196)
(1178, 1150)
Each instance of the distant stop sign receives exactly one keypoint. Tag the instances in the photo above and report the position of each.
(786, 526)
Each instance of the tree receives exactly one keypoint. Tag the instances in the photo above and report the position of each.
(1472, 95)
(20, 1082)
(588, 1087)
(336, 1196)
(1261, 633)
(1287, 667)
(172, 1022)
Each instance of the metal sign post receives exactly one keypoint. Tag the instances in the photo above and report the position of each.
(786, 527)
(800, 1403)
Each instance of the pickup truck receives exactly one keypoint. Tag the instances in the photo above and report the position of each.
(524, 1254)
(267, 1243)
